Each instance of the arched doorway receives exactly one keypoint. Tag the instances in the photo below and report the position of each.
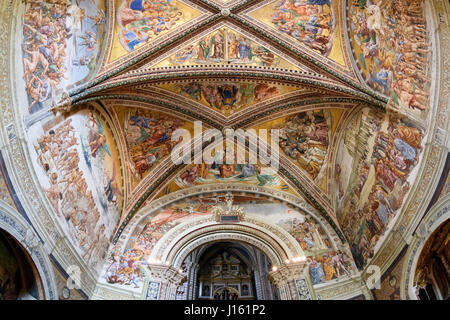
(19, 279)
(227, 270)
(169, 238)
(432, 276)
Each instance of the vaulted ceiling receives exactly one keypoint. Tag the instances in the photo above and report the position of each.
(168, 69)
(167, 72)
(256, 64)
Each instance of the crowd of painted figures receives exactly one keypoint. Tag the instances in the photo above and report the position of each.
(127, 268)
(142, 20)
(395, 154)
(45, 32)
(305, 138)
(309, 21)
(308, 234)
(97, 156)
(324, 264)
(229, 97)
(395, 48)
(243, 50)
(69, 193)
(226, 46)
(215, 172)
(47, 25)
(149, 138)
(329, 266)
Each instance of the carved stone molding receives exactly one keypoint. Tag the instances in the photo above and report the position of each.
(276, 237)
(178, 253)
(343, 290)
(108, 293)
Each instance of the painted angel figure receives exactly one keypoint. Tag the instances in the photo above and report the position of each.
(89, 40)
(99, 19)
(97, 140)
(111, 188)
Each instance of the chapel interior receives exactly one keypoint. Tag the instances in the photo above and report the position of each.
(224, 150)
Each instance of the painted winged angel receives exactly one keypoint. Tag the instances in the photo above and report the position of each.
(97, 140)
(112, 188)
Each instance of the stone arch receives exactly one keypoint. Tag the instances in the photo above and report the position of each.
(251, 259)
(18, 228)
(438, 214)
(179, 250)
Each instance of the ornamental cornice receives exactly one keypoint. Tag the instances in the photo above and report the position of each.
(342, 290)
(246, 118)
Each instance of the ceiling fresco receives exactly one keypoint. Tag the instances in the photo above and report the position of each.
(392, 50)
(206, 174)
(229, 97)
(374, 173)
(148, 136)
(305, 138)
(103, 85)
(61, 46)
(141, 21)
(313, 25)
(227, 46)
(79, 168)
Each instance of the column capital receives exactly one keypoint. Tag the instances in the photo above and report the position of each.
(287, 272)
(167, 274)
